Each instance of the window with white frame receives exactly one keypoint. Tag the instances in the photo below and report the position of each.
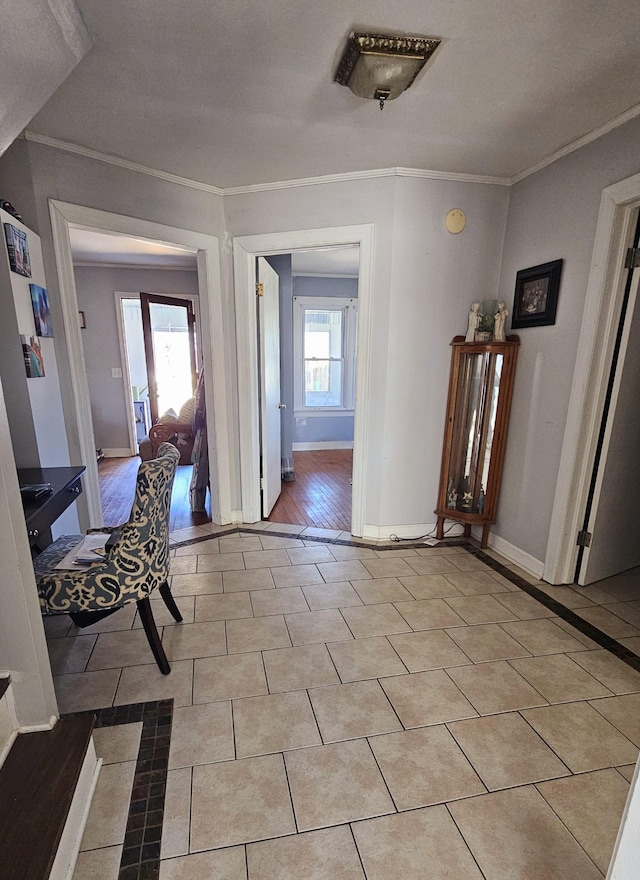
(324, 352)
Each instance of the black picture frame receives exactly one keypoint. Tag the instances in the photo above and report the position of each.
(536, 295)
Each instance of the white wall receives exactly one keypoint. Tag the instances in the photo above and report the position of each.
(552, 215)
(96, 287)
(424, 281)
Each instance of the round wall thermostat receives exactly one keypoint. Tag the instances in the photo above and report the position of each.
(455, 221)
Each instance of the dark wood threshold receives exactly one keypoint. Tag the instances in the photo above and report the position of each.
(4, 685)
(37, 783)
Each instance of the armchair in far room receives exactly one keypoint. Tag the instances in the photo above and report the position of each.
(135, 564)
(171, 427)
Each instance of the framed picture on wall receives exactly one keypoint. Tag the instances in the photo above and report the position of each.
(536, 295)
(41, 312)
(18, 249)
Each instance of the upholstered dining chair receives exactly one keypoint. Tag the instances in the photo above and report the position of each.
(136, 562)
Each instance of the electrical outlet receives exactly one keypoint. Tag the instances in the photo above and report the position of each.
(116, 372)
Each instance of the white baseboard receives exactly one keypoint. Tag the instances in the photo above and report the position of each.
(116, 452)
(513, 554)
(322, 444)
(416, 531)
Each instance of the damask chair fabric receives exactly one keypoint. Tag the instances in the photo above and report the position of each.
(136, 564)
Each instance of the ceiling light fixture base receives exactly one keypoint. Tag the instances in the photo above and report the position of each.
(380, 66)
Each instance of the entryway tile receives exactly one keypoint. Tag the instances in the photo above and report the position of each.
(559, 679)
(296, 576)
(323, 596)
(428, 614)
(423, 698)
(348, 711)
(201, 735)
(329, 854)
(223, 864)
(505, 752)
(432, 565)
(420, 845)
(374, 620)
(98, 864)
(194, 640)
(118, 743)
(130, 648)
(226, 606)
(424, 766)
(240, 801)
(196, 584)
(317, 626)
(429, 586)
(430, 649)
(581, 737)
(70, 655)
(140, 684)
(382, 589)
(274, 723)
(292, 669)
(515, 835)
(480, 609)
(542, 637)
(177, 811)
(256, 634)
(218, 562)
(591, 806)
(81, 691)
(266, 559)
(243, 581)
(486, 641)
(612, 672)
(349, 570)
(334, 784)
(624, 713)
(472, 583)
(110, 807)
(359, 659)
(228, 678)
(386, 567)
(524, 606)
(495, 687)
(287, 600)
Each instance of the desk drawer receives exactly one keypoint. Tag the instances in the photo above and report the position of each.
(41, 521)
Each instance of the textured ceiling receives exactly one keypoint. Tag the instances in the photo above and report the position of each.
(237, 93)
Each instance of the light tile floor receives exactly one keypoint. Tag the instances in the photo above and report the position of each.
(345, 712)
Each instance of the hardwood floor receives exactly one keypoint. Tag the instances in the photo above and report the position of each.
(320, 496)
(117, 486)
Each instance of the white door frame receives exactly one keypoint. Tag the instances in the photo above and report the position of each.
(245, 250)
(63, 217)
(121, 295)
(593, 362)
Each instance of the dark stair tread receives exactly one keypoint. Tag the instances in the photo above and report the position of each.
(4, 685)
(37, 782)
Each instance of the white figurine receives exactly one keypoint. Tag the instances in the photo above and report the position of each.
(474, 322)
(499, 320)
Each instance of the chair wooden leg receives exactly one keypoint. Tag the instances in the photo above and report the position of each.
(151, 631)
(169, 601)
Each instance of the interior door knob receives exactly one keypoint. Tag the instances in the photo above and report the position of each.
(282, 406)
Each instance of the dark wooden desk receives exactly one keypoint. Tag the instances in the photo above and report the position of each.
(41, 514)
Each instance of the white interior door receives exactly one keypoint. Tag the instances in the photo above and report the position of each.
(612, 524)
(270, 406)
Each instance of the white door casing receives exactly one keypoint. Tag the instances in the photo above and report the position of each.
(591, 372)
(270, 413)
(63, 216)
(245, 250)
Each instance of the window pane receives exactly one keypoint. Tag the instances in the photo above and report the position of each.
(323, 333)
(322, 383)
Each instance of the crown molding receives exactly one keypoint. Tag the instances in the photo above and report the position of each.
(366, 175)
(68, 147)
(588, 138)
(88, 264)
(415, 173)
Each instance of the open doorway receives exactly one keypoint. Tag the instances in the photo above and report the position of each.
(318, 298)
(246, 249)
(126, 399)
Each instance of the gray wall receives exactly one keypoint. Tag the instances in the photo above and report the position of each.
(552, 214)
(96, 288)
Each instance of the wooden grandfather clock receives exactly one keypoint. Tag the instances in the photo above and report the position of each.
(475, 434)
